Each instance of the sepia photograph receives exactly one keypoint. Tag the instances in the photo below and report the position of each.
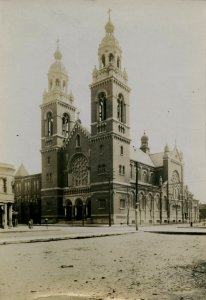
(103, 150)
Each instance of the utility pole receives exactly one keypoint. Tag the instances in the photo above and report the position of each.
(160, 184)
(110, 223)
(136, 200)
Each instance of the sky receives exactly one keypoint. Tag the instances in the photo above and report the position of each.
(163, 44)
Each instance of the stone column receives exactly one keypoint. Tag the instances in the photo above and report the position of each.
(10, 214)
(5, 217)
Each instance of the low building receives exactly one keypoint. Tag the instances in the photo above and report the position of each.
(6, 194)
(27, 196)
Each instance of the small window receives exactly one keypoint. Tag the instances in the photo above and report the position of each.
(123, 170)
(120, 169)
(118, 62)
(48, 160)
(49, 124)
(121, 150)
(101, 203)
(57, 82)
(122, 203)
(111, 57)
(78, 140)
(101, 149)
(102, 106)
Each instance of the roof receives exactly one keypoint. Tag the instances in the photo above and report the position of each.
(138, 155)
(21, 171)
(157, 159)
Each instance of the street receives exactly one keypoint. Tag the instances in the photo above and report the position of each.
(136, 265)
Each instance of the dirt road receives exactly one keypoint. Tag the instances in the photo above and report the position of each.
(133, 266)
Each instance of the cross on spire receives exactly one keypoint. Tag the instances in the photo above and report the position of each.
(109, 11)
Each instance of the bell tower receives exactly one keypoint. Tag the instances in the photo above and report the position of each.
(58, 115)
(110, 130)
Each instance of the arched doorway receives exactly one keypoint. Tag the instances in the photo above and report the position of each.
(68, 210)
(78, 209)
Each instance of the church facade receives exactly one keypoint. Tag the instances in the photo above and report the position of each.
(97, 176)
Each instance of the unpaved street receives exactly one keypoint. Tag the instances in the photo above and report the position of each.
(134, 266)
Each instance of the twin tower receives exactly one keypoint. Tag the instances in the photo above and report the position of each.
(85, 174)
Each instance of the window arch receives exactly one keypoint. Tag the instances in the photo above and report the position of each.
(65, 125)
(120, 108)
(78, 140)
(102, 106)
(50, 121)
(111, 57)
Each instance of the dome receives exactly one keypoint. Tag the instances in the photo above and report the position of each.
(144, 138)
(109, 27)
(57, 67)
(109, 41)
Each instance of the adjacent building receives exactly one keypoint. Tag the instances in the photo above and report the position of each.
(6, 194)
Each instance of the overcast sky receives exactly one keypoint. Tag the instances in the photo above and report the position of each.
(163, 45)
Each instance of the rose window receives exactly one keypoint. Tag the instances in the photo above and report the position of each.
(80, 170)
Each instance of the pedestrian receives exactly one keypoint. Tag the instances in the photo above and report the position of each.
(29, 224)
(46, 222)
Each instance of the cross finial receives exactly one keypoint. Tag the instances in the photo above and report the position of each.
(109, 11)
(57, 43)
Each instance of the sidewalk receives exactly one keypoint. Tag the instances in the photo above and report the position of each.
(22, 234)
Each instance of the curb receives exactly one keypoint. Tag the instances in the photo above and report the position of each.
(54, 239)
(178, 232)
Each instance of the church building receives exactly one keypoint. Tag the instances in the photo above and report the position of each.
(98, 176)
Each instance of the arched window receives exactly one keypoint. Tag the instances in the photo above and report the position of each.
(79, 167)
(120, 108)
(111, 57)
(118, 62)
(78, 140)
(103, 60)
(164, 203)
(101, 149)
(102, 106)
(157, 200)
(144, 176)
(152, 178)
(149, 202)
(65, 125)
(142, 201)
(57, 82)
(49, 124)
(64, 85)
